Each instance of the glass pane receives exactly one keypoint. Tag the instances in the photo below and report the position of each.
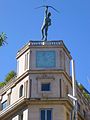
(21, 117)
(4, 105)
(45, 59)
(48, 114)
(45, 87)
(42, 114)
(21, 91)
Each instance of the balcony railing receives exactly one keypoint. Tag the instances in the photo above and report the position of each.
(2, 88)
(11, 107)
(60, 42)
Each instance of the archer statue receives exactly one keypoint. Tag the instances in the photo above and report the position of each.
(47, 21)
(46, 24)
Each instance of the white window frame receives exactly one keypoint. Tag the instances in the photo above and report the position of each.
(45, 81)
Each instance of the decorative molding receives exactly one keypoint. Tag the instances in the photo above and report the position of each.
(45, 76)
(9, 91)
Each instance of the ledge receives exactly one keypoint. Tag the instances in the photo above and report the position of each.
(25, 102)
(46, 44)
(11, 108)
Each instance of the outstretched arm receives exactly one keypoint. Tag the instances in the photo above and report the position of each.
(46, 12)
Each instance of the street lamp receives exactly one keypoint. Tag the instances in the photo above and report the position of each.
(74, 111)
(73, 97)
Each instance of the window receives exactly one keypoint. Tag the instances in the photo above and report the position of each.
(21, 91)
(45, 87)
(45, 59)
(18, 67)
(26, 61)
(78, 106)
(4, 104)
(21, 116)
(46, 114)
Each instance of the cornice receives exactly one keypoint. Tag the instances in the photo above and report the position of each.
(52, 71)
(51, 101)
(28, 72)
(13, 83)
(25, 103)
(11, 109)
(39, 44)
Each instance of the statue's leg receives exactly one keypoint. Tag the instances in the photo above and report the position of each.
(43, 32)
(46, 29)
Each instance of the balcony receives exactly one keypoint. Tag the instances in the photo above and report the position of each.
(10, 108)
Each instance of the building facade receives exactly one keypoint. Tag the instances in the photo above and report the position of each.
(40, 89)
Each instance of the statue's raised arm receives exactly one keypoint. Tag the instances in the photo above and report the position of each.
(46, 24)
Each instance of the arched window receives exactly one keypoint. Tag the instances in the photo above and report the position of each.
(21, 91)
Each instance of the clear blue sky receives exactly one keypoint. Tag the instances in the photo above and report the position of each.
(21, 22)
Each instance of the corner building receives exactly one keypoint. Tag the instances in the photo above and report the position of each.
(40, 89)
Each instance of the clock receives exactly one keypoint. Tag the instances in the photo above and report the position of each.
(45, 59)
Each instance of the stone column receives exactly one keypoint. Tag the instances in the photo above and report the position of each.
(8, 97)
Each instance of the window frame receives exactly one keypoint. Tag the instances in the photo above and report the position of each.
(21, 91)
(21, 116)
(26, 66)
(45, 80)
(46, 109)
(46, 89)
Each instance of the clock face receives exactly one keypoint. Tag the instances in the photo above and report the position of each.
(45, 59)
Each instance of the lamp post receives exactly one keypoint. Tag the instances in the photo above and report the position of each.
(74, 111)
(73, 97)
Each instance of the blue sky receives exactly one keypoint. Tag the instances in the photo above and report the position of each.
(22, 22)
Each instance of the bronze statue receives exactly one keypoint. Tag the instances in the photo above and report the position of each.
(46, 24)
(47, 21)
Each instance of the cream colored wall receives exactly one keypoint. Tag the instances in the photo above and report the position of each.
(33, 57)
(21, 61)
(66, 83)
(15, 90)
(58, 112)
(55, 85)
(67, 64)
(60, 58)
(20, 68)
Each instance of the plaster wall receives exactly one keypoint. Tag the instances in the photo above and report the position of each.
(15, 90)
(58, 112)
